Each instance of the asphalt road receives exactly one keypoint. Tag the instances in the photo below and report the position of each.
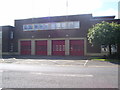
(89, 75)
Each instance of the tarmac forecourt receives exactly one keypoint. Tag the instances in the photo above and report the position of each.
(58, 62)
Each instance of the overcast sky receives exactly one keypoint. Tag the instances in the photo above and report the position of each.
(22, 9)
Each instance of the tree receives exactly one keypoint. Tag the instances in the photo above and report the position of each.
(105, 33)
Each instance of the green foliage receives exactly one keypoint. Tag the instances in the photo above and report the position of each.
(104, 33)
(116, 61)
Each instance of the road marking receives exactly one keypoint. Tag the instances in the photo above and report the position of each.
(86, 66)
(14, 58)
(65, 75)
(2, 59)
(85, 63)
(103, 66)
(1, 71)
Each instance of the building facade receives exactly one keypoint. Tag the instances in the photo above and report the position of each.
(59, 35)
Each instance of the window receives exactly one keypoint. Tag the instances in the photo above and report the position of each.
(11, 35)
(105, 48)
(36, 26)
(53, 26)
(63, 25)
(46, 26)
(76, 24)
(58, 25)
(70, 25)
(28, 27)
(24, 27)
(41, 26)
(63, 47)
(57, 49)
(114, 48)
(11, 47)
(60, 47)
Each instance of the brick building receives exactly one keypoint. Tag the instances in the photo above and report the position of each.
(59, 35)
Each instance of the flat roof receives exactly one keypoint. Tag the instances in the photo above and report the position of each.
(56, 16)
(98, 17)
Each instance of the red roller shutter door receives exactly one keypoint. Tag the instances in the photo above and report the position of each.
(58, 47)
(77, 47)
(41, 47)
(25, 47)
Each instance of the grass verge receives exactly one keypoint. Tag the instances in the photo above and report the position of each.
(116, 61)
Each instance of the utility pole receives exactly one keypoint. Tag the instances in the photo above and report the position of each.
(66, 10)
(119, 10)
(66, 7)
(0, 42)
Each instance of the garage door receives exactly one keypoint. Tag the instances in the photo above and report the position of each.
(77, 47)
(41, 47)
(58, 47)
(25, 47)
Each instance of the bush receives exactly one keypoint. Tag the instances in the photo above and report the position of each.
(114, 56)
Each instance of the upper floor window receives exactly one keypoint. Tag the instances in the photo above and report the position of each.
(28, 27)
(36, 26)
(58, 25)
(52, 26)
(46, 26)
(70, 25)
(76, 24)
(41, 26)
(63, 25)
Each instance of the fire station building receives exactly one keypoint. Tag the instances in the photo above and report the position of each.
(59, 35)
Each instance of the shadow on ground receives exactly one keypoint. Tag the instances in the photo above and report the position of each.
(114, 61)
(46, 57)
(110, 60)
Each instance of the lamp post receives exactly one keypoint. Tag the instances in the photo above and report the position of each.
(1, 42)
(119, 10)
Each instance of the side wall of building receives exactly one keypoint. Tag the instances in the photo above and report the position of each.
(8, 39)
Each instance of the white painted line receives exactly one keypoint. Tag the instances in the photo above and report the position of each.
(14, 58)
(65, 75)
(85, 63)
(103, 66)
(1, 71)
(2, 59)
